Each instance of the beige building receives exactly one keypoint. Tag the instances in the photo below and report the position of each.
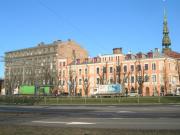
(38, 65)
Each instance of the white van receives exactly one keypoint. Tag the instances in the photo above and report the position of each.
(3, 92)
(178, 91)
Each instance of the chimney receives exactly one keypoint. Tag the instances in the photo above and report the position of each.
(150, 54)
(139, 55)
(129, 56)
(86, 60)
(41, 44)
(117, 50)
(156, 50)
(78, 61)
(95, 59)
(57, 41)
(69, 40)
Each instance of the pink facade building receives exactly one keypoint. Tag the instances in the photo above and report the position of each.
(149, 74)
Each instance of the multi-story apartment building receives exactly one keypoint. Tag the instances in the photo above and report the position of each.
(148, 74)
(38, 65)
(67, 67)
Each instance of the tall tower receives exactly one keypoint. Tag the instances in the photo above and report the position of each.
(166, 42)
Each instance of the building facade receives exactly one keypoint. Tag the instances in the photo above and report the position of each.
(38, 65)
(149, 74)
(66, 67)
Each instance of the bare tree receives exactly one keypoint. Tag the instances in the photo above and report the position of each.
(72, 82)
(165, 77)
(119, 73)
(124, 80)
(140, 80)
(57, 83)
(101, 74)
(86, 84)
(178, 69)
(140, 76)
(136, 75)
(60, 82)
(101, 77)
(115, 75)
(11, 83)
(129, 80)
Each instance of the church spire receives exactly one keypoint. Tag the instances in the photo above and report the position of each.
(166, 42)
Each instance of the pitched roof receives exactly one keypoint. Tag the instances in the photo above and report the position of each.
(172, 54)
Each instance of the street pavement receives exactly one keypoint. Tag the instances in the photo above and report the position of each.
(105, 116)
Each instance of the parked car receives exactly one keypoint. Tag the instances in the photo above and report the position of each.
(133, 94)
(169, 94)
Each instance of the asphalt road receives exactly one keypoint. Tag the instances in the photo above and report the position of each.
(115, 116)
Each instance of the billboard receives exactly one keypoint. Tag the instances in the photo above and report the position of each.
(30, 90)
(109, 89)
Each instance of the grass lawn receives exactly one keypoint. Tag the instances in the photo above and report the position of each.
(30, 100)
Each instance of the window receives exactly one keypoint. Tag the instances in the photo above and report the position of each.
(146, 67)
(138, 67)
(86, 71)
(132, 68)
(146, 78)
(125, 80)
(139, 79)
(111, 70)
(98, 81)
(125, 68)
(86, 80)
(80, 81)
(118, 69)
(60, 82)
(153, 66)
(63, 73)
(64, 63)
(79, 71)
(153, 78)
(111, 81)
(97, 70)
(132, 79)
(104, 69)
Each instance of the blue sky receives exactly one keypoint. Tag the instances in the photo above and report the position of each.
(97, 25)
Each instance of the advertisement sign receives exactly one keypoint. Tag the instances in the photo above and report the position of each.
(109, 89)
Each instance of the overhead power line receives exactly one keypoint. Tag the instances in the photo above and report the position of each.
(68, 22)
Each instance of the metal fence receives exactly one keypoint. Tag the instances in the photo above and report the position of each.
(60, 100)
